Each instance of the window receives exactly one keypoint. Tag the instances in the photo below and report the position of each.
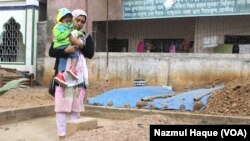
(118, 45)
(12, 48)
(168, 45)
(241, 43)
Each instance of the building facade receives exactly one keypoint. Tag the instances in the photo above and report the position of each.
(199, 26)
(18, 34)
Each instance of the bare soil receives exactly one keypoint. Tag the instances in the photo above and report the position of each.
(25, 97)
(232, 100)
(130, 130)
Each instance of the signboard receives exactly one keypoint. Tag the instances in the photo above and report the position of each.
(147, 9)
(210, 41)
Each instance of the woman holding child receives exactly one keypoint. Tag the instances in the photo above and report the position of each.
(69, 100)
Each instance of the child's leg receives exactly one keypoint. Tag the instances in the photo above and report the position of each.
(59, 78)
(72, 70)
(62, 64)
(74, 62)
(62, 61)
(74, 58)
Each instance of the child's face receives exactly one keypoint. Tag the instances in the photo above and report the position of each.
(67, 20)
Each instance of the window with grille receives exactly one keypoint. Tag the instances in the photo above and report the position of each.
(12, 48)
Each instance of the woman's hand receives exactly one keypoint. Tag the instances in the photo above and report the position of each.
(69, 49)
(75, 41)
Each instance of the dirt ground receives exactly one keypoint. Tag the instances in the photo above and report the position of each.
(233, 100)
(25, 97)
(130, 130)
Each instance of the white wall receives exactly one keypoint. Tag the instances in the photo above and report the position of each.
(180, 70)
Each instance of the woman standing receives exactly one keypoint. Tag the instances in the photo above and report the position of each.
(69, 101)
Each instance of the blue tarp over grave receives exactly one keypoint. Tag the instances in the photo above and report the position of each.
(183, 101)
(130, 96)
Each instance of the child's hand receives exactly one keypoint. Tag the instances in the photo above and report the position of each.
(79, 34)
(74, 33)
(75, 41)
